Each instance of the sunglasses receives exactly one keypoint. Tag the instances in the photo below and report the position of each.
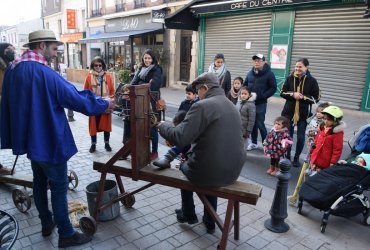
(98, 65)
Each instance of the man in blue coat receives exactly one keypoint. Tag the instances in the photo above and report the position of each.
(33, 122)
(261, 80)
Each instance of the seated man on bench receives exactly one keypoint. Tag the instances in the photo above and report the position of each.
(213, 127)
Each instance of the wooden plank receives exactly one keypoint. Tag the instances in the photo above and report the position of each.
(238, 191)
(18, 179)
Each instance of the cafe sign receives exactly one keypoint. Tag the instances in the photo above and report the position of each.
(226, 6)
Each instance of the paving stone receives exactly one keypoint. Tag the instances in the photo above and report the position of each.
(257, 242)
(147, 229)
(245, 246)
(129, 246)
(186, 236)
(202, 242)
(106, 245)
(300, 247)
(275, 245)
(174, 242)
(163, 234)
(164, 245)
(132, 235)
(312, 242)
(121, 240)
(146, 241)
(188, 246)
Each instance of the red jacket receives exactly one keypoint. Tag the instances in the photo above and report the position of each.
(328, 147)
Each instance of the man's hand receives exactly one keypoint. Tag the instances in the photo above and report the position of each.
(297, 96)
(112, 104)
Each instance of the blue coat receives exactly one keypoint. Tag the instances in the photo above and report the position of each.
(33, 120)
(262, 83)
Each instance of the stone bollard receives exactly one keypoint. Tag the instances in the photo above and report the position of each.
(278, 209)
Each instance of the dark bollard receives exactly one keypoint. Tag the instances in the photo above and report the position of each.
(278, 209)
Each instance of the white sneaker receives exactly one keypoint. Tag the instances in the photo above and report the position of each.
(252, 146)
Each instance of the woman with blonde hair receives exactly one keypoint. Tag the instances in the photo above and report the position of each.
(101, 84)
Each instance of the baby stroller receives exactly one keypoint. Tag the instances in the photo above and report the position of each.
(339, 189)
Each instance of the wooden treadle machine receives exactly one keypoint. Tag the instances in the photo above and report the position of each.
(138, 146)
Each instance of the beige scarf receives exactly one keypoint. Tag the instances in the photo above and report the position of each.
(298, 88)
(97, 89)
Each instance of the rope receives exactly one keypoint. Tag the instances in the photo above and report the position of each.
(76, 210)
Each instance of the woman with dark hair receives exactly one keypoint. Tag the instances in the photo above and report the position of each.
(150, 72)
(7, 55)
(300, 91)
(101, 84)
(219, 68)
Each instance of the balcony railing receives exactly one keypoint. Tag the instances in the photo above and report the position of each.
(169, 1)
(97, 12)
(139, 4)
(120, 7)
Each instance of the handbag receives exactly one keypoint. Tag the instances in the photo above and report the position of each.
(160, 105)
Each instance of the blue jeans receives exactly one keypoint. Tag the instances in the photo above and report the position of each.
(178, 150)
(301, 133)
(56, 176)
(188, 207)
(259, 124)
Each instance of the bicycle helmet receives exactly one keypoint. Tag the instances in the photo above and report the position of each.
(334, 111)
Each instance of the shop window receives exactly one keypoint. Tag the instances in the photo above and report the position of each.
(139, 3)
(138, 41)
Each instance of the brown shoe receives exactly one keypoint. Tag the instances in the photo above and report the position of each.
(271, 169)
(5, 171)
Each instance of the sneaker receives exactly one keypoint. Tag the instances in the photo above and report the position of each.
(296, 162)
(153, 156)
(182, 218)
(75, 240)
(252, 146)
(46, 231)
(92, 148)
(5, 171)
(107, 147)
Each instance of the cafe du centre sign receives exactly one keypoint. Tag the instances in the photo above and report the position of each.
(227, 6)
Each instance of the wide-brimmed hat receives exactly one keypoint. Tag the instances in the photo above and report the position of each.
(41, 36)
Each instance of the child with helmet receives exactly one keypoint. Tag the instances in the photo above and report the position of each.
(329, 140)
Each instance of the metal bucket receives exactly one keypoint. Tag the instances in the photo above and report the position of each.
(110, 192)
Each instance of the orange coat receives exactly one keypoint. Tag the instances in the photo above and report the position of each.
(105, 123)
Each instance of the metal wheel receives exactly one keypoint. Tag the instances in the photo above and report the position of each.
(73, 180)
(21, 200)
(88, 225)
(129, 201)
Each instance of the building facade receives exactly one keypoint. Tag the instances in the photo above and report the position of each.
(332, 34)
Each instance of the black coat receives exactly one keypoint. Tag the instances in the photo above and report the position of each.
(310, 92)
(155, 78)
(262, 83)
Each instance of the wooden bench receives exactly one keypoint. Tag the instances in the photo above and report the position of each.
(139, 168)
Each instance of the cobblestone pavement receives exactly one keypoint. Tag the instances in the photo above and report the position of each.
(151, 223)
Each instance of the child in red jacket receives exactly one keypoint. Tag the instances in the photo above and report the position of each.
(329, 140)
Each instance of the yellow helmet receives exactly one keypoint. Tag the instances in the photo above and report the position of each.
(334, 111)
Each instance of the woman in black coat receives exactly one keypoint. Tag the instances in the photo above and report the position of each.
(300, 91)
(150, 72)
(219, 68)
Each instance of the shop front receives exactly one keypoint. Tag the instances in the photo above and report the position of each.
(332, 34)
(73, 56)
(126, 38)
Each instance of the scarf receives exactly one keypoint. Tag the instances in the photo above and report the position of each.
(220, 72)
(233, 93)
(30, 55)
(98, 81)
(298, 88)
(144, 71)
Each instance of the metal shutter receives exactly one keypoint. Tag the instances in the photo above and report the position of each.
(337, 43)
(228, 35)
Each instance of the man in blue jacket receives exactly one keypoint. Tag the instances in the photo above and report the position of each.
(261, 80)
(33, 122)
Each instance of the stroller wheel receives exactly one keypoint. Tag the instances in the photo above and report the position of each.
(322, 228)
(367, 219)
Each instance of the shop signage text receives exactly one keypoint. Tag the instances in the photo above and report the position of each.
(138, 22)
(249, 4)
(158, 16)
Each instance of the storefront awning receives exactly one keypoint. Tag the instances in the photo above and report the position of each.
(184, 18)
(114, 36)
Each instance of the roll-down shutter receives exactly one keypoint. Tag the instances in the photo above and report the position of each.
(228, 35)
(337, 43)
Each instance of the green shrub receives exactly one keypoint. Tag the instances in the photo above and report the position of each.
(124, 76)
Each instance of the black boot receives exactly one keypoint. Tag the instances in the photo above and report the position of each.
(165, 162)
